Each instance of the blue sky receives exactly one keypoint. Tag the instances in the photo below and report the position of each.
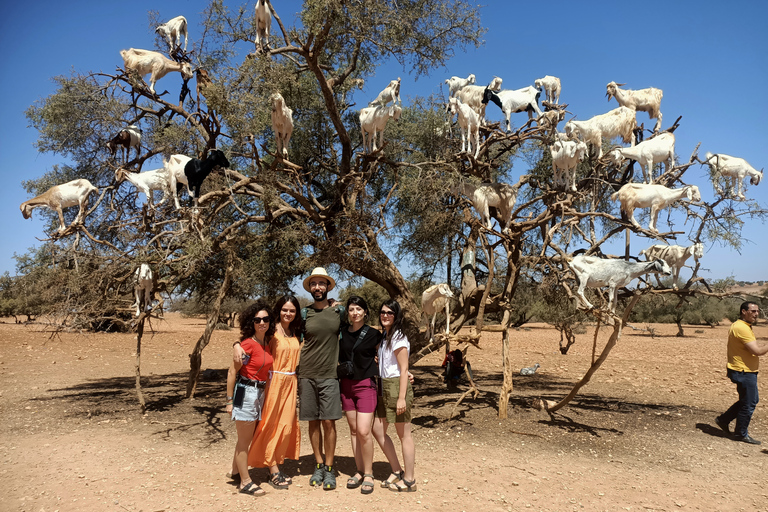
(709, 57)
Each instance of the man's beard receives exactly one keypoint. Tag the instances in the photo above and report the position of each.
(320, 295)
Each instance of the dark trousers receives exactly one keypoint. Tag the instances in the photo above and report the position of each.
(741, 411)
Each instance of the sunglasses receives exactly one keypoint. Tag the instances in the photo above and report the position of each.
(260, 319)
(387, 313)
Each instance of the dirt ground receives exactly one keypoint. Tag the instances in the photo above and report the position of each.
(639, 437)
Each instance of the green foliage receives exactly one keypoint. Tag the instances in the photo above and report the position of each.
(374, 295)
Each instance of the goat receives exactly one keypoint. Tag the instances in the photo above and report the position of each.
(549, 120)
(282, 123)
(674, 255)
(649, 152)
(551, 87)
(596, 272)
(657, 197)
(433, 300)
(263, 24)
(127, 138)
(645, 100)
(144, 284)
(373, 120)
(520, 100)
(68, 194)
(469, 123)
(197, 170)
(390, 93)
(145, 62)
(566, 155)
(172, 31)
(146, 182)
(735, 169)
(619, 122)
(473, 95)
(456, 83)
(498, 195)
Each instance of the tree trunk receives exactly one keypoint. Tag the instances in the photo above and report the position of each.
(196, 357)
(139, 335)
(507, 384)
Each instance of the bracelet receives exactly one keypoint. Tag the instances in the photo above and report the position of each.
(229, 402)
(236, 343)
(230, 398)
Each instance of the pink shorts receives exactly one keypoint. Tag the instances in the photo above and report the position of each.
(358, 395)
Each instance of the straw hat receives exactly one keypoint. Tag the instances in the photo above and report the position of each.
(319, 271)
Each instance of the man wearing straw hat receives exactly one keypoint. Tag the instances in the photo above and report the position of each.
(319, 394)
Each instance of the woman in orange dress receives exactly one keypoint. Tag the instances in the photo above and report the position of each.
(278, 437)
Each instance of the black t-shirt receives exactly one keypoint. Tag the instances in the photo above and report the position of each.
(363, 358)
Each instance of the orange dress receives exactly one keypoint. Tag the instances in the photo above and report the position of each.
(278, 436)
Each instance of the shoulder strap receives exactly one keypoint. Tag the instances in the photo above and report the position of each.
(360, 337)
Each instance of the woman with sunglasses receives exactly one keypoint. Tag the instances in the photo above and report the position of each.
(246, 384)
(396, 398)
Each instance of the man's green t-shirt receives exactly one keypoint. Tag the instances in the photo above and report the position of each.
(320, 353)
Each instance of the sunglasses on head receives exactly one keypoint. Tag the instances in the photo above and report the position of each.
(260, 319)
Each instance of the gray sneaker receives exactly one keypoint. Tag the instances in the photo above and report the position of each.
(318, 475)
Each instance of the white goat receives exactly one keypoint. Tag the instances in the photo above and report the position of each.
(645, 100)
(390, 93)
(657, 197)
(282, 123)
(473, 95)
(146, 183)
(263, 24)
(619, 122)
(734, 169)
(551, 87)
(456, 83)
(469, 124)
(566, 156)
(433, 300)
(145, 62)
(596, 272)
(499, 195)
(674, 255)
(648, 153)
(520, 100)
(172, 31)
(72, 193)
(174, 167)
(373, 120)
(143, 288)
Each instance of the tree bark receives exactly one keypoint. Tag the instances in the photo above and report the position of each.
(139, 335)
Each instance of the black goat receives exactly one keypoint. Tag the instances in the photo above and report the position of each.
(197, 170)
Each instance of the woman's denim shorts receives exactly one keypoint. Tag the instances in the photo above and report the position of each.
(252, 403)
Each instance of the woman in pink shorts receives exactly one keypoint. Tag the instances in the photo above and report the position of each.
(357, 371)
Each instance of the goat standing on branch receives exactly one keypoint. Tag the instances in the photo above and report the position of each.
(619, 122)
(566, 156)
(282, 123)
(373, 120)
(473, 95)
(498, 195)
(73, 193)
(127, 138)
(649, 152)
(646, 100)
(455, 84)
(144, 284)
(596, 272)
(146, 182)
(172, 31)
(733, 169)
(391, 93)
(434, 299)
(469, 124)
(145, 62)
(675, 256)
(655, 197)
(551, 87)
(263, 24)
(510, 102)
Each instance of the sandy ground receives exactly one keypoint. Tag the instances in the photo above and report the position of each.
(639, 437)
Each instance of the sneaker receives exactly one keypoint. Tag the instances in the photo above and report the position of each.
(318, 476)
(722, 424)
(748, 439)
(329, 480)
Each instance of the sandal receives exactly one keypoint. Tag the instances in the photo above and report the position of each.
(354, 482)
(288, 479)
(410, 486)
(277, 481)
(252, 489)
(367, 487)
(318, 475)
(398, 476)
(329, 479)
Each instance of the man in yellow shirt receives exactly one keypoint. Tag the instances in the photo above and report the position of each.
(743, 362)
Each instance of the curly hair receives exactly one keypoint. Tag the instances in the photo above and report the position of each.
(247, 329)
(296, 326)
(397, 322)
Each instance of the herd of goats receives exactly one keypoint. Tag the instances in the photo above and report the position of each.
(468, 102)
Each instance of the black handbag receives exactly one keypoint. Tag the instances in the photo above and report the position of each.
(346, 369)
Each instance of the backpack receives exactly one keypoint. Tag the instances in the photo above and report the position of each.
(453, 364)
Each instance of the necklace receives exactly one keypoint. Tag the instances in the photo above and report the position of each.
(284, 333)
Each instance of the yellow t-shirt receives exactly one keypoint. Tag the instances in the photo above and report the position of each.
(739, 357)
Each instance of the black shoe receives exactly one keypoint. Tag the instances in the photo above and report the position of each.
(722, 424)
(748, 439)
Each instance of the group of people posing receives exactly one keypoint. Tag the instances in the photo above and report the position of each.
(338, 364)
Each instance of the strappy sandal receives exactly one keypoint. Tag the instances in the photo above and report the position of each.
(288, 479)
(277, 481)
(366, 487)
(329, 479)
(398, 476)
(252, 489)
(410, 486)
(354, 481)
